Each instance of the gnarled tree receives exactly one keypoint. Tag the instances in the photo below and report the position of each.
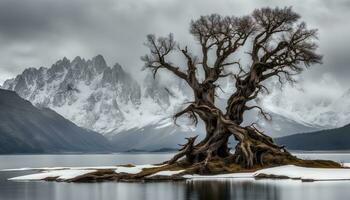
(277, 46)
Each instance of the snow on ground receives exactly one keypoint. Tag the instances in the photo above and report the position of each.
(59, 168)
(167, 173)
(134, 170)
(64, 174)
(346, 164)
(304, 173)
(287, 171)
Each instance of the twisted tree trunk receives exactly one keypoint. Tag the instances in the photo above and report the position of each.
(253, 146)
(256, 149)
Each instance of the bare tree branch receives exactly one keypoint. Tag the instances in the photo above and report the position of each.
(159, 49)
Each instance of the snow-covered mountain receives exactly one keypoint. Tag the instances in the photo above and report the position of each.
(96, 96)
(337, 114)
(323, 112)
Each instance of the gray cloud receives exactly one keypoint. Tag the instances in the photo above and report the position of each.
(36, 33)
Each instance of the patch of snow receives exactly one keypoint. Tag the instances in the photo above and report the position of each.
(165, 123)
(58, 168)
(134, 170)
(305, 173)
(65, 174)
(290, 171)
(167, 173)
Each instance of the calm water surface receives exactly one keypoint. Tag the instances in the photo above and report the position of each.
(237, 189)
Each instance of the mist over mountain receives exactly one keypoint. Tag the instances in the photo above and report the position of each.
(316, 109)
(110, 101)
(25, 128)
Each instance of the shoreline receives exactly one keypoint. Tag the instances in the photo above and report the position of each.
(168, 152)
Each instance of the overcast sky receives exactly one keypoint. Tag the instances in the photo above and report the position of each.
(36, 33)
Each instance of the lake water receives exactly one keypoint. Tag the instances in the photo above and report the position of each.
(245, 189)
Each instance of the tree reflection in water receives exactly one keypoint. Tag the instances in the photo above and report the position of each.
(226, 189)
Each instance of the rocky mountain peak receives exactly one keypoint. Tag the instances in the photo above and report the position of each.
(64, 61)
(98, 63)
(117, 67)
(77, 59)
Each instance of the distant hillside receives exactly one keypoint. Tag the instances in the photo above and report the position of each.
(332, 139)
(28, 129)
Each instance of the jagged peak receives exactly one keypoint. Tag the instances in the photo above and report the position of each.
(30, 70)
(77, 59)
(78, 62)
(99, 60)
(98, 63)
(117, 67)
(63, 61)
(98, 56)
(42, 68)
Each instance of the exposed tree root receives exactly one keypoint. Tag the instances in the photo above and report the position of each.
(251, 151)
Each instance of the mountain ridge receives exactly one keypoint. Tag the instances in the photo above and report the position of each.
(25, 128)
(330, 139)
